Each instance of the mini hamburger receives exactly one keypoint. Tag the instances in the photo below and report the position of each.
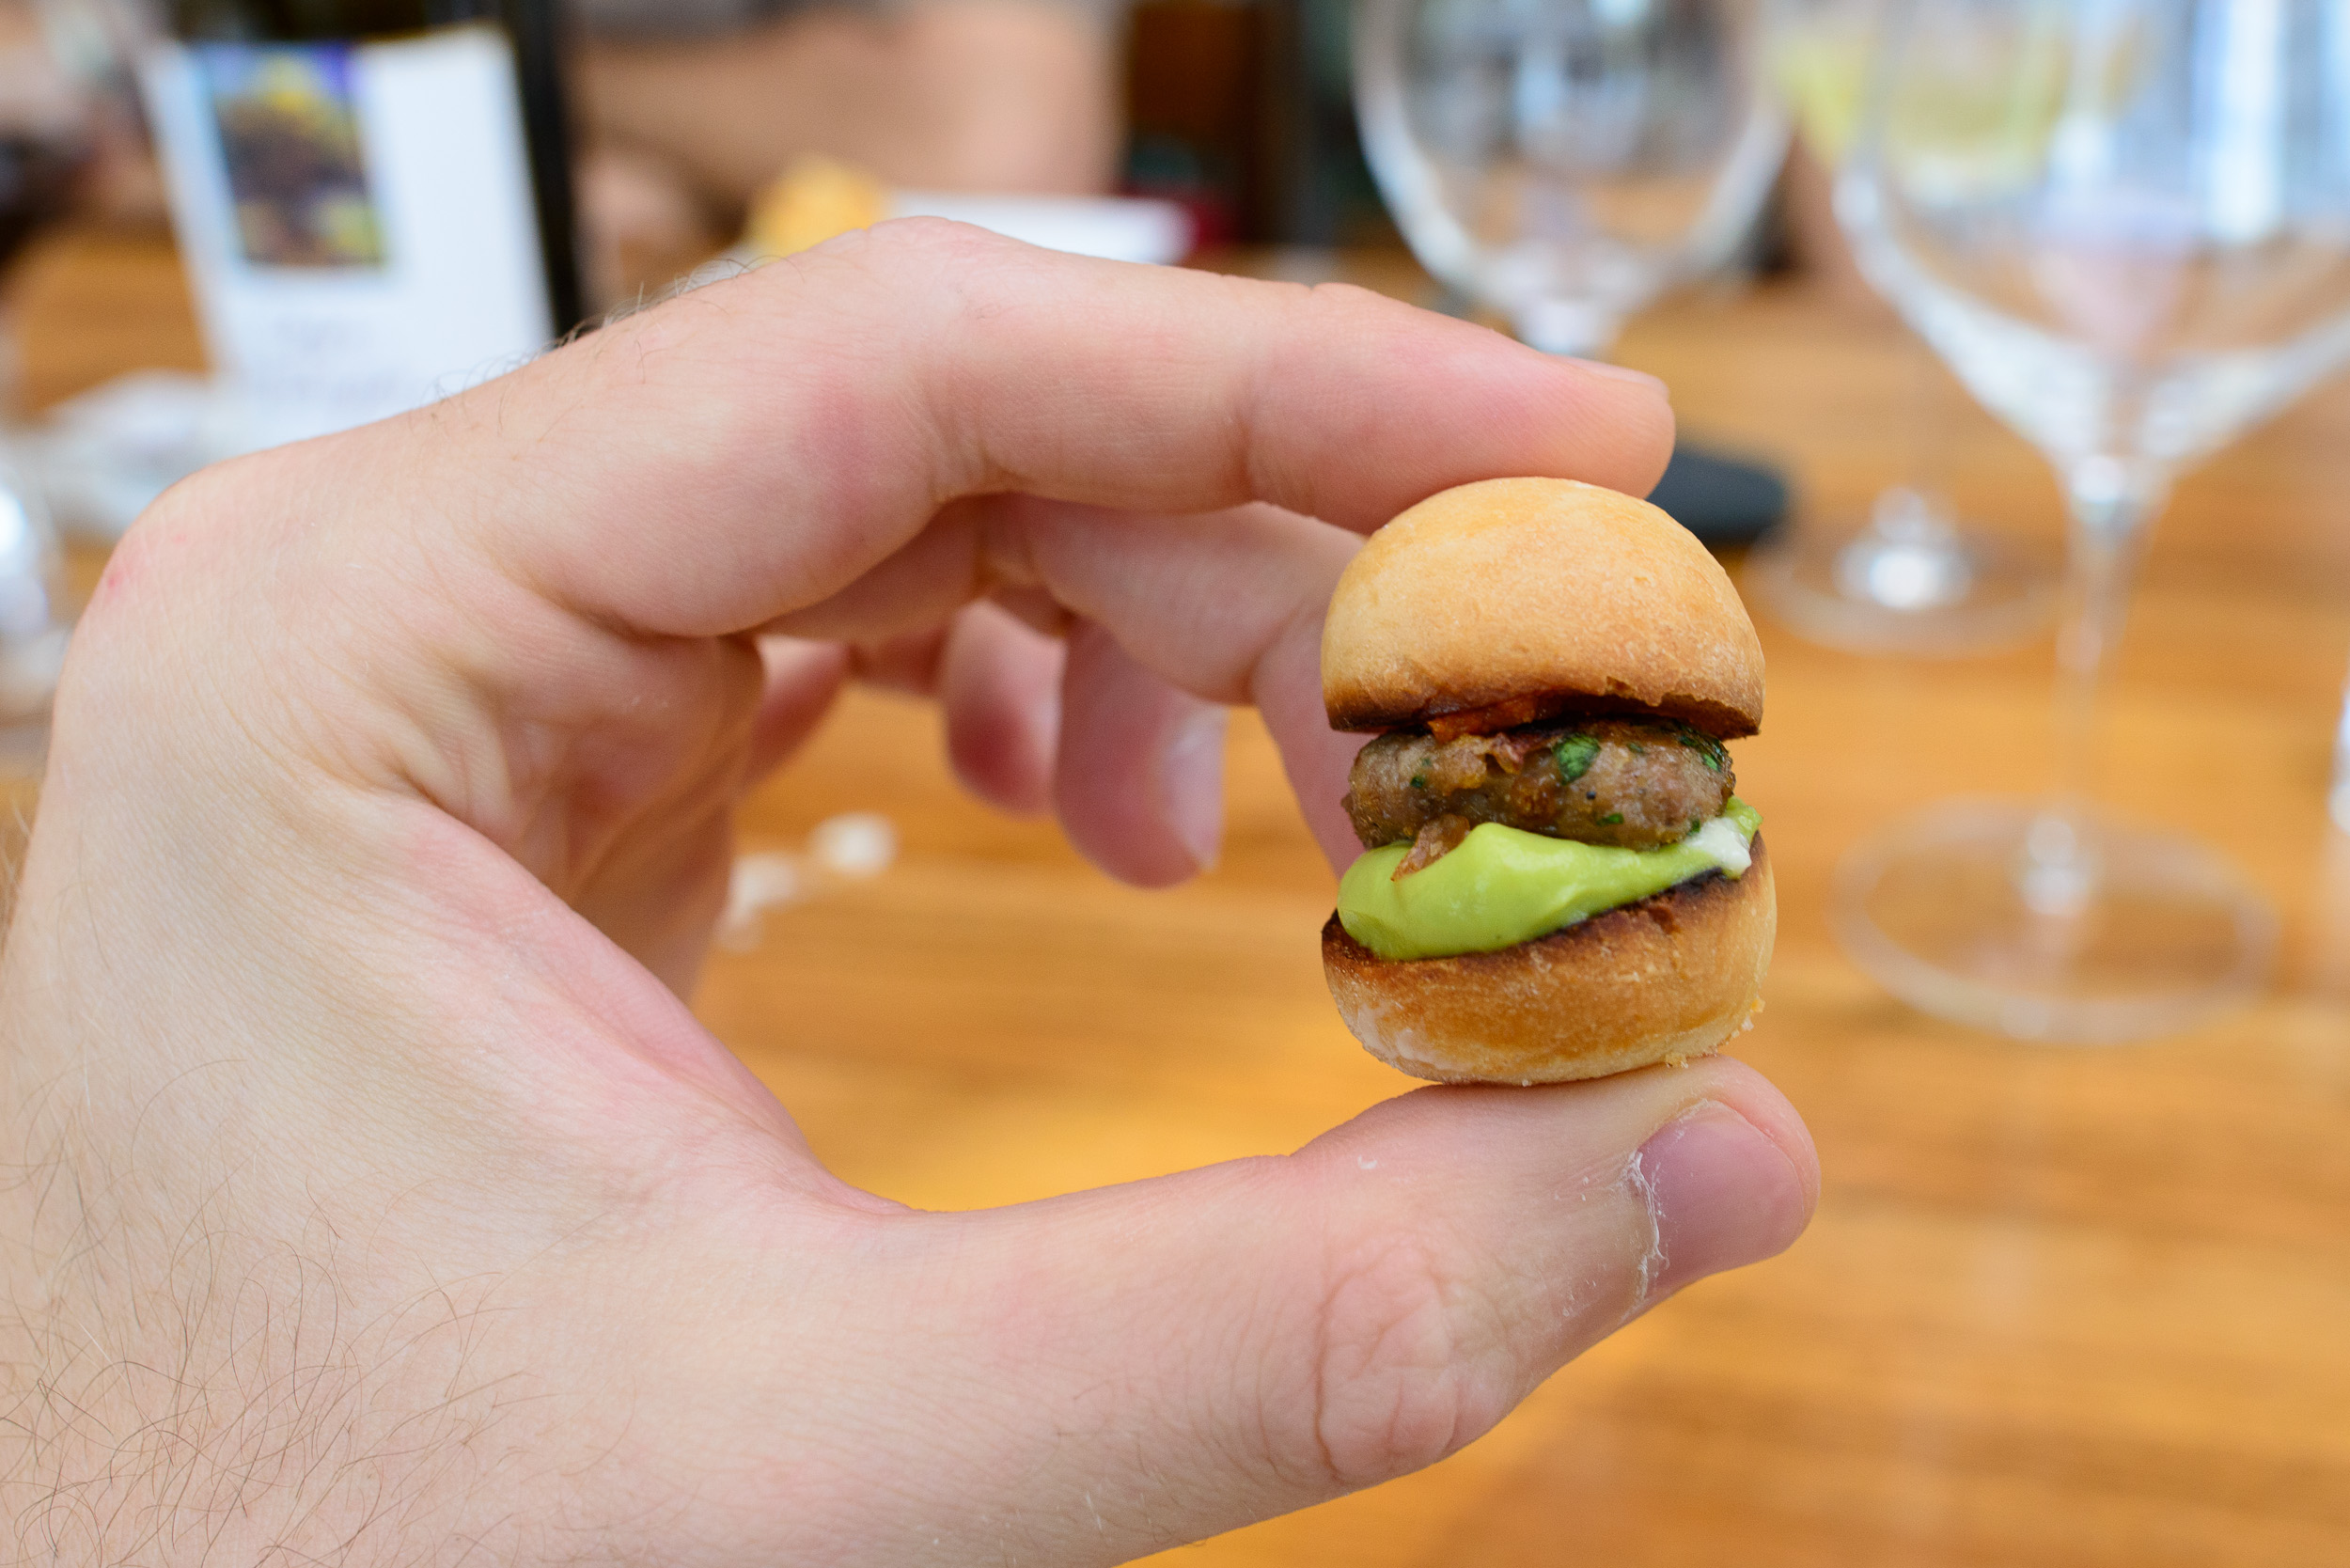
(1559, 879)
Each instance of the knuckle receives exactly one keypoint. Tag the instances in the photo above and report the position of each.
(164, 560)
(200, 635)
(1406, 1364)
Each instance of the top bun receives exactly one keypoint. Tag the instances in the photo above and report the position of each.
(1546, 595)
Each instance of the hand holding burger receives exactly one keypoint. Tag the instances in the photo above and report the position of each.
(379, 1202)
(1559, 879)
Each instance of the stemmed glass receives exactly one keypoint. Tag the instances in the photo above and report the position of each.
(1911, 578)
(1563, 162)
(2125, 224)
(44, 138)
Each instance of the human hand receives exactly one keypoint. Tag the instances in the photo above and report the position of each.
(377, 1201)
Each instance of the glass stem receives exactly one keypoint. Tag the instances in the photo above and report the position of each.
(2338, 800)
(1929, 440)
(2110, 501)
(1578, 328)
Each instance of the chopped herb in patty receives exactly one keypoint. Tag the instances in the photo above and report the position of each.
(1637, 783)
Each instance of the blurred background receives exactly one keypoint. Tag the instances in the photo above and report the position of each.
(2004, 338)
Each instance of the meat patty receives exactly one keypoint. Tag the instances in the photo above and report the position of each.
(1639, 784)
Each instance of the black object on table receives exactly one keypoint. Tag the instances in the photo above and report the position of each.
(1728, 502)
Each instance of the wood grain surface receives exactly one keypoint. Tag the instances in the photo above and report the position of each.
(2060, 1307)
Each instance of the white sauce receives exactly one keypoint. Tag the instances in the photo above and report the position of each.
(1720, 841)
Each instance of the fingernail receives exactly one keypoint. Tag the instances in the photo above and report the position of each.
(1720, 1195)
(1191, 779)
(1625, 373)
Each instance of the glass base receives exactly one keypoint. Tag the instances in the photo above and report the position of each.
(1936, 591)
(1961, 913)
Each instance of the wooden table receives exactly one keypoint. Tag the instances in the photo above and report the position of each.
(2060, 1307)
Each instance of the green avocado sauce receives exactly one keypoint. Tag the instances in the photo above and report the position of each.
(1502, 886)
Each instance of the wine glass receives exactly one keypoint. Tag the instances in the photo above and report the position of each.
(43, 145)
(2127, 226)
(1911, 578)
(1563, 162)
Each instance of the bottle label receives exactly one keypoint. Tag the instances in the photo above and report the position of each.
(289, 146)
(356, 220)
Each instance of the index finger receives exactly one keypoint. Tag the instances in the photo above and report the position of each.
(749, 449)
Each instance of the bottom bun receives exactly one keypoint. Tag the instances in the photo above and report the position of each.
(1669, 977)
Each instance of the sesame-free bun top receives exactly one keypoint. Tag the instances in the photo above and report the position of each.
(1542, 592)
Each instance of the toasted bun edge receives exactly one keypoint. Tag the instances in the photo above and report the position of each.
(1664, 979)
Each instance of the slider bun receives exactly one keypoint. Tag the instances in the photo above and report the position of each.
(1669, 977)
(1542, 588)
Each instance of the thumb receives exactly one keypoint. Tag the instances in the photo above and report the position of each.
(1185, 1355)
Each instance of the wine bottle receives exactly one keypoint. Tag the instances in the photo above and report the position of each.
(372, 197)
